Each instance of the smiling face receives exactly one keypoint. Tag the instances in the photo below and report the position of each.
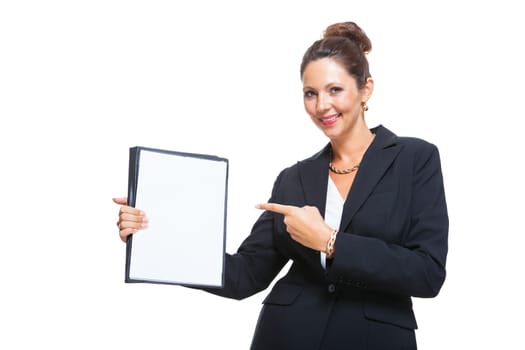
(332, 98)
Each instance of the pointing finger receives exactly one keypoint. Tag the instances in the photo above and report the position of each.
(276, 208)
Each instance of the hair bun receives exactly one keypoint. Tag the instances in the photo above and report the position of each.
(351, 31)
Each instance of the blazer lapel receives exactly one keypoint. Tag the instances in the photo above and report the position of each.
(375, 162)
(313, 174)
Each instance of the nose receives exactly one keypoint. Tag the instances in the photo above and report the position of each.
(323, 104)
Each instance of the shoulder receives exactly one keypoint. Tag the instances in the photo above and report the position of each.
(410, 145)
(419, 153)
(416, 145)
(320, 156)
(310, 166)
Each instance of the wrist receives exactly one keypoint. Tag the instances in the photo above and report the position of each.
(330, 244)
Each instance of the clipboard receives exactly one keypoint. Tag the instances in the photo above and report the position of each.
(184, 196)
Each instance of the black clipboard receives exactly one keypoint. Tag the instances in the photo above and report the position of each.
(184, 196)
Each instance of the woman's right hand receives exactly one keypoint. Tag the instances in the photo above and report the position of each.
(130, 219)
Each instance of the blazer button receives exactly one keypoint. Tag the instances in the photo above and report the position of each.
(331, 288)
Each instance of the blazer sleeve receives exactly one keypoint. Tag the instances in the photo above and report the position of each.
(414, 266)
(255, 264)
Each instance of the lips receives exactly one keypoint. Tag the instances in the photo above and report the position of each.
(329, 119)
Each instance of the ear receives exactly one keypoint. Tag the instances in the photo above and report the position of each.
(367, 90)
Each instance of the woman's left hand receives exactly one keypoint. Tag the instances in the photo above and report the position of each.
(304, 224)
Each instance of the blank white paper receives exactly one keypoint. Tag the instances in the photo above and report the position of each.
(184, 198)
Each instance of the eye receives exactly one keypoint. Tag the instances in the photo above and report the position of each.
(309, 94)
(335, 89)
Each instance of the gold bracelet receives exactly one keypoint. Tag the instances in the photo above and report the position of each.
(331, 244)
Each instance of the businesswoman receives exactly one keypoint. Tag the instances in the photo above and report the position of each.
(364, 221)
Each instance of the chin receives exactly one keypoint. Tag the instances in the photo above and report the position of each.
(330, 134)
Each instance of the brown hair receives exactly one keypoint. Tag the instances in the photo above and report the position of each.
(346, 43)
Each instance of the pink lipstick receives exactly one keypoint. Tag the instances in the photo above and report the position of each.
(329, 119)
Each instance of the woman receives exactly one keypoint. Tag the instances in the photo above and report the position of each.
(364, 221)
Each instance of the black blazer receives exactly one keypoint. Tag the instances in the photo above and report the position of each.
(392, 245)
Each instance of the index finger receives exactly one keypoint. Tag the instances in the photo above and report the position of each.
(276, 208)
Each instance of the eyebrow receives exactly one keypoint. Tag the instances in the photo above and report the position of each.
(324, 87)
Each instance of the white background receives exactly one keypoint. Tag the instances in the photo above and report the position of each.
(82, 81)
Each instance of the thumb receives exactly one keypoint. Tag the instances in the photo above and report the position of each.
(121, 200)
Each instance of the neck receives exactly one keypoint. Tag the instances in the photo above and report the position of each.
(352, 148)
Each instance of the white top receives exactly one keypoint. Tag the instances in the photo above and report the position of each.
(333, 211)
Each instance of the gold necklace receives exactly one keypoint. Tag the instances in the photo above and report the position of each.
(343, 171)
(348, 170)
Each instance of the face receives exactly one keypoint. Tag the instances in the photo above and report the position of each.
(332, 99)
